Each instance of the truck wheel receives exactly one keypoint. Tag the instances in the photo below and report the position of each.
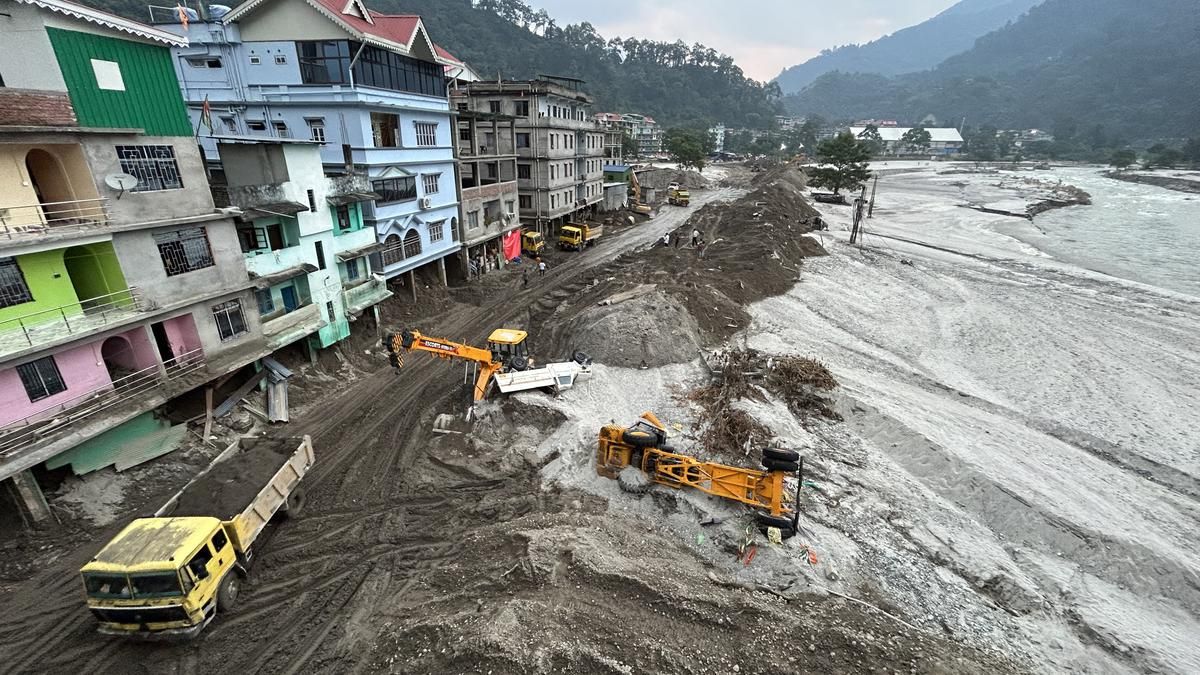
(227, 592)
(639, 438)
(294, 505)
(779, 454)
(766, 521)
(775, 465)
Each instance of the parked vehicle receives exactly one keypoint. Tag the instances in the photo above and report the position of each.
(575, 236)
(532, 243)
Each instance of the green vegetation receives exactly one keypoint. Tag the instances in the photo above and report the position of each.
(873, 139)
(688, 147)
(843, 161)
(1083, 63)
(1122, 159)
(916, 140)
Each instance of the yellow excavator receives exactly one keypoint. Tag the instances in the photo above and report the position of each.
(644, 446)
(635, 188)
(505, 363)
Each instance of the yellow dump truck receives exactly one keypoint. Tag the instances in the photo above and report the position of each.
(532, 243)
(679, 196)
(166, 577)
(576, 236)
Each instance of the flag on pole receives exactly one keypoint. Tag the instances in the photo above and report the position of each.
(183, 16)
(206, 116)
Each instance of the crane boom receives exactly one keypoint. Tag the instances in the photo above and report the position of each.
(412, 341)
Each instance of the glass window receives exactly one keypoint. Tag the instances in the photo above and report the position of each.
(13, 288)
(184, 250)
(352, 269)
(153, 165)
(395, 189)
(199, 563)
(523, 140)
(41, 378)
(385, 130)
(229, 320)
(219, 540)
(521, 108)
(160, 585)
(437, 230)
(525, 201)
(107, 585)
(266, 304)
(430, 182)
(344, 222)
(324, 62)
(494, 107)
(523, 171)
(316, 130)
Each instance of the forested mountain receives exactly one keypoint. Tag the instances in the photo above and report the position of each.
(675, 83)
(1129, 66)
(912, 49)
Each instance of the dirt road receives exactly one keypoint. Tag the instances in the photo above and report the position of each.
(382, 516)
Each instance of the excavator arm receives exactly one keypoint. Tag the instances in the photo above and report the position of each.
(413, 341)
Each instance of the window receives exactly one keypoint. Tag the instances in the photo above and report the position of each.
(525, 201)
(319, 247)
(255, 60)
(464, 134)
(199, 563)
(385, 130)
(229, 319)
(316, 130)
(494, 107)
(523, 171)
(330, 311)
(185, 250)
(426, 134)
(380, 68)
(392, 190)
(523, 140)
(553, 201)
(324, 62)
(13, 289)
(266, 304)
(461, 107)
(281, 59)
(312, 201)
(153, 165)
(430, 182)
(553, 141)
(521, 108)
(219, 540)
(256, 125)
(230, 125)
(508, 207)
(472, 220)
(437, 230)
(281, 128)
(41, 378)
(108, 75)
(352, 270)
(553, 171)
(203, 62)
(344, 222)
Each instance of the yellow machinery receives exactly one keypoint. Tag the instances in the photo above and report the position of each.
(506, 351)
(576, 236)
(166, 577)
(679, 196)
(532, 243)
(635, 187)
(644, 445)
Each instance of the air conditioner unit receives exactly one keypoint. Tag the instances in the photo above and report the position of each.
(425, 203)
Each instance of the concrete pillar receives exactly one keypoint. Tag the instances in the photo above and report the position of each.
(412, 284)
(378, 322)
(32, 499)
(162, 369)
(442, 271)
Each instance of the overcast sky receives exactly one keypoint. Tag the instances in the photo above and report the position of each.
(763, 36)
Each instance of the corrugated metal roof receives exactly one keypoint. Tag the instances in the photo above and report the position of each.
(894, 134)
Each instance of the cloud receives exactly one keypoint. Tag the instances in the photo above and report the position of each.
(763, 36)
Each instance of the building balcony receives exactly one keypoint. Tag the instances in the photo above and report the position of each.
(370, 292)
(265, 263)
(283, 327)
(36, 221)
(51, 326)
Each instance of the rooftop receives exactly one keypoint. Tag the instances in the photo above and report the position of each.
(102, 18)
(894, 134)
(150, 544)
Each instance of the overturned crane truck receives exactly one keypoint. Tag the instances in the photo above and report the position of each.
(166, 577)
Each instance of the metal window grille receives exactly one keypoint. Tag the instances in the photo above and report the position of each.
(229, 320)
(426, 133)
(430, 182)
(153, 165)
(437, 230)
(352, 270)
(41, 378)
(185, 250)
(412, 244)
(266, 304)
(13, 289)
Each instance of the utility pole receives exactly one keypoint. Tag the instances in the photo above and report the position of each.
(874, 187)
(859, 203)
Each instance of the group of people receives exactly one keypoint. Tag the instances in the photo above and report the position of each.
(697, 239)
(541, 270)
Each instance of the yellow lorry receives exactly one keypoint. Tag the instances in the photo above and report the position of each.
(532, 243)
(166, 577)
(577, 236)
(677, 195)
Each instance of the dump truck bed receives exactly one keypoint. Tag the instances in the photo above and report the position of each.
(246, 487)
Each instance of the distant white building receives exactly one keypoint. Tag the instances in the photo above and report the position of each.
(718, 136)
(944, 141)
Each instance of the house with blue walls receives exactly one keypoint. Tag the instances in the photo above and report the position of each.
(370, 88)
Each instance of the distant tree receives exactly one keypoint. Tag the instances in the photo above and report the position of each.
(916, 139)
(1165, 158)
(871, 137)
(629, 147)
(690, 148)
(810, 132)
(1122, 159)
(844, 163)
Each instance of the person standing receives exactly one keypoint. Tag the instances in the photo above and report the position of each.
(524, 278)
(541, 268)
(695, 238)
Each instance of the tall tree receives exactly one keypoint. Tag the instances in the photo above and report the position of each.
(873, 139)
(688, 147)
(844, 163)
(1122, 159)
(916, 139)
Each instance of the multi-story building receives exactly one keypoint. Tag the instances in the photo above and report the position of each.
(615, 133)
(718, 136)
(303, 237)
(647, 134)
(121, 284)
(487, 172)
(560, 147)
(370, 88)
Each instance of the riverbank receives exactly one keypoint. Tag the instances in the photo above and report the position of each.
(1187, 185)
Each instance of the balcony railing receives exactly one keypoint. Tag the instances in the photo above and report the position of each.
(33, 219)
(81, 317)
(68, 414)
(366, 294)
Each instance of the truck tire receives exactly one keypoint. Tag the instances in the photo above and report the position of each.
(766, 521)
(639, 438)
(781, 455)
(294, 505)
(775, 465)
(227, 592)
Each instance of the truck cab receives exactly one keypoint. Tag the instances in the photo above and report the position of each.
(508, 347)
(532, 243)
(162, 577)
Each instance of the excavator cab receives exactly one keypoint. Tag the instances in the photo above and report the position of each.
(507, 346)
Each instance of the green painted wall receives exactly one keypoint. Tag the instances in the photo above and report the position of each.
(151, 100)
(356, 217)
(48, 282)
(95, 272)
(141, 438)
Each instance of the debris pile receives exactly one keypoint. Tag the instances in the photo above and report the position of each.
(659, 179)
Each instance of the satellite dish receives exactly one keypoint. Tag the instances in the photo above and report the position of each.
(121, 182)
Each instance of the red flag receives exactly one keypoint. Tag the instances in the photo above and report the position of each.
(183, 16)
